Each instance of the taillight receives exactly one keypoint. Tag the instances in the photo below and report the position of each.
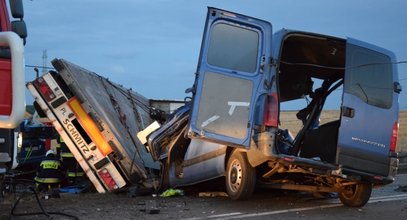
(393, 142)
(108, 179)
(44, 89)
(378, 177)
(271, 110)
(288, 159)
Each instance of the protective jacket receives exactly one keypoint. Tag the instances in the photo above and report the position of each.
(49, 171)
(70, 163)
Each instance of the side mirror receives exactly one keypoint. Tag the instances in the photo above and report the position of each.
(16, 8)
(190, 90)
(20, 28)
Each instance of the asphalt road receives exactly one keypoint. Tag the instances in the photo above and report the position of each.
(389, 202)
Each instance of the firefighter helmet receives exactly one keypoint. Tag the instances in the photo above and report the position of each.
(50, 152)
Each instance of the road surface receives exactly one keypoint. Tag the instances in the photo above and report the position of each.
(389, 202)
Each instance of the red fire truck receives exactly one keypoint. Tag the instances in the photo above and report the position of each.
(12, 83)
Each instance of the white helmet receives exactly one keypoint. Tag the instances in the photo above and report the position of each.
(50, 152)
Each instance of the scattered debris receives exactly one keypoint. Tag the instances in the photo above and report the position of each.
(154, 211)
(172, 192)
(401, 189)
(213, 194)
(149, 207)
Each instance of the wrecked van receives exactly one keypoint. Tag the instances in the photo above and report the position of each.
(233, 126)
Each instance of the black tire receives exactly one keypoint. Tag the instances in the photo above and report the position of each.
(356, 195)
(240, 177)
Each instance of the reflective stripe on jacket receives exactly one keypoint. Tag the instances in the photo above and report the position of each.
(67, 154)
(75, 174)
(50, 164)
(47, 180)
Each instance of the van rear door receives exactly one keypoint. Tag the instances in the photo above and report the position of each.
(369, 108)
(234, 58)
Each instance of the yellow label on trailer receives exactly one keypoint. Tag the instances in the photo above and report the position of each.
(89, 126)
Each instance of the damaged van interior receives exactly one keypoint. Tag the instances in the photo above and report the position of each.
(311, 68)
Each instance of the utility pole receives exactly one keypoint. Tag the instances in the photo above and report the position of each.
(44, 61)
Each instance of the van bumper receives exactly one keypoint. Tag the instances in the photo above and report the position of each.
(377, 179)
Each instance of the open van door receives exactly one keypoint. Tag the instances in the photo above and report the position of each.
(234, 57)
(369, 109)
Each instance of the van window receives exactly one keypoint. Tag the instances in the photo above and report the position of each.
(369, 76)
(233, 47)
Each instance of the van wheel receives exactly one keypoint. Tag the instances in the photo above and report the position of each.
(240, 177)
(356, 195)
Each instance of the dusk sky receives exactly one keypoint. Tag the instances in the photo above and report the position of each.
(152, 46)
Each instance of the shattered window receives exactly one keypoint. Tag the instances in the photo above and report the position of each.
(233, 47)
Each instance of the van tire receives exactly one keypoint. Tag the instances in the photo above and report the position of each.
(240, 176)
(357, 196)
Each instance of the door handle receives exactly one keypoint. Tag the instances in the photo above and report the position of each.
(348, 112)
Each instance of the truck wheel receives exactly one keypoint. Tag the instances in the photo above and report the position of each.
(240, 177)
(357, 195)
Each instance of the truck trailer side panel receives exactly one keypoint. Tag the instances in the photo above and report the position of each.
(99, 121)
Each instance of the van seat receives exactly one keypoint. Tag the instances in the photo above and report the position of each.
(321, 142)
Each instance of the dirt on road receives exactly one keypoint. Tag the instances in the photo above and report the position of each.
(92, 205)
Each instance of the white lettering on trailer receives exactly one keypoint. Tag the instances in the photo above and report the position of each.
(76, 136)
(233, 106)
(210, 120)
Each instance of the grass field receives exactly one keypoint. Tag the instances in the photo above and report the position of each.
(290, 121)
(402, 138)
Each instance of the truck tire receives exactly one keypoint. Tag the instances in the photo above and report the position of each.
(357, 196)
(240, 177)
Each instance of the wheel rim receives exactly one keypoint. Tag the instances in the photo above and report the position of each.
(235, 176)
(350, 192)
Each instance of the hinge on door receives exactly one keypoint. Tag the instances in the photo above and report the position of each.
(262, 63)
(273, 62)
(397, 87)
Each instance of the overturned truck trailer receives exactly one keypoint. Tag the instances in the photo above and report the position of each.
(98, 120)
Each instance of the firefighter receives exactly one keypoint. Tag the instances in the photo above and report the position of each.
(49, 174)
(73, 170)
